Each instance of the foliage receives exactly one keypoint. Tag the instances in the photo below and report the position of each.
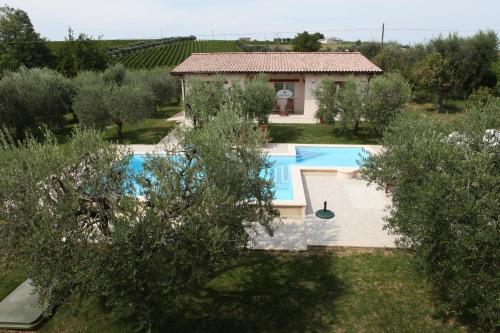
(352, 101)
(205, 99)
(33, 98)
(305, 42)
(470, 58)
(80, 54)
(164, 86)
(396, 58)
(376, 102)
(388, 95)
(326, 95)
(172, 54)
(116, 74)
(99, 102)
(435, 73)
(256, 98)
(71, 215)
(20, 44)
(479, 98)
(446, 205)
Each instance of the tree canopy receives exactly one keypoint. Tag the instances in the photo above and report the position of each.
(72, 215)
(305, 42)
(99, 102)
(445, 204)
(254, 98)
(80, 54)
(33, 98)
(376, 102)
(20, 44)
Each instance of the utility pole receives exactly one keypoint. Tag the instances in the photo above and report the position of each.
(382, 44)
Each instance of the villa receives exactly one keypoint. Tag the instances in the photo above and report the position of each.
(294, 75)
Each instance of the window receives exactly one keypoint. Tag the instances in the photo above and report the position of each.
(285, 86)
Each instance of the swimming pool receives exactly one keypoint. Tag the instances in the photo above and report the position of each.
(311, 157)
(280, 172)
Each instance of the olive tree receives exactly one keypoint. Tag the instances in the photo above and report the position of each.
(435, 73)
(164, 86)
(33, 98)
(326, 94)
(99, 102)
(256, 98)
(72, 216)
(388, 95)
(352, 102)
(446, 204)
(205, 99)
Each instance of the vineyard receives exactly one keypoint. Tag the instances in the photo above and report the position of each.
(172, 54)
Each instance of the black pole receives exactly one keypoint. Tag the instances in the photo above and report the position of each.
(324, 206)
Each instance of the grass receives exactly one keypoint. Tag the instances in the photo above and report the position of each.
(452, 109)
(375, 291)
(331, 134)
(148, 131)
(317, 133)
(10, 277)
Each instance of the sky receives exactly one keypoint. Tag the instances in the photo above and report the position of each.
(405, 21)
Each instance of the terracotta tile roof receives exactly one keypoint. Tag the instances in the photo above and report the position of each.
(276, 62)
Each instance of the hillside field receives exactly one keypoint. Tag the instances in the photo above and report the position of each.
(173, 54)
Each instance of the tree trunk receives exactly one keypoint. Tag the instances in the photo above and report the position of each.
(439, 106)
(119, 128)
(75, 117)
(355, 130)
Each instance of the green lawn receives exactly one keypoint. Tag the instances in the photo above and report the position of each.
(10, 277)
(317, 133)
(327, 292)
(148, 131)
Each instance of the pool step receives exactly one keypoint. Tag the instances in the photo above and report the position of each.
(303, 156)
(280, 176)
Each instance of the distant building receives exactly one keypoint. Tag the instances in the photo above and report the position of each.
(245, 39)
(330, 40)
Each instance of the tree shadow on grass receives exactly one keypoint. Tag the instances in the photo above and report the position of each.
(265, 294)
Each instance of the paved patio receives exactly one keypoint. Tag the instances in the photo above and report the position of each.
(291, 119)
(358, 222)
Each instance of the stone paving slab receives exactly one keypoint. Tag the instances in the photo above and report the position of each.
(358, 222)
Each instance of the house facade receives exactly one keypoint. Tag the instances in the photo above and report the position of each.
(293, 75)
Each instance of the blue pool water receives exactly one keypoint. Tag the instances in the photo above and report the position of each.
(309, 156)
(305, 156)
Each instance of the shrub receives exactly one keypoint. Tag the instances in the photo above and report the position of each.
(256, 98)
(33, 98)
(71, 215)
(387, 98)
(446, 205)
(326, 94)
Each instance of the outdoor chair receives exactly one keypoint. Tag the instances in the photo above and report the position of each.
(289, 106)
